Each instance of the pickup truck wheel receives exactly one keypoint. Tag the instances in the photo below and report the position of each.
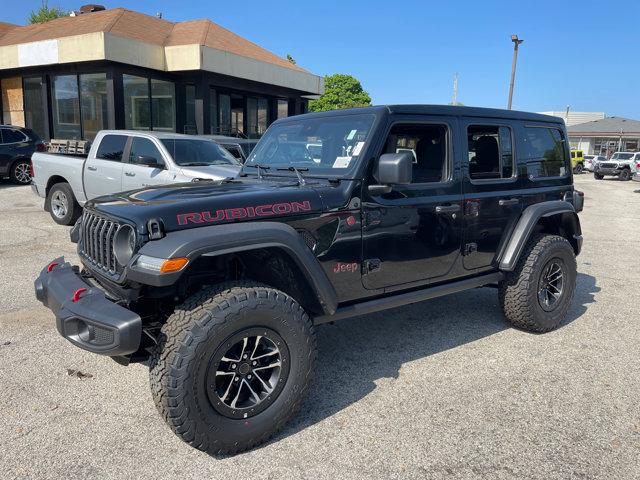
(62, 204)
(598, 176)
(538, 293)
(232, 366)
(625, 175)
(21, 172)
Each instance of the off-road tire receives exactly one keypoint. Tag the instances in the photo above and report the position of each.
(518, 292)
(598, 176)
(625, 175)
(73, 209)
(18, 171)
(578, 168)
(201, 326)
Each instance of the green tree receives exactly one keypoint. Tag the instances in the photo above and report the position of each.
(46, 13)
(340, 91)
(291, 59)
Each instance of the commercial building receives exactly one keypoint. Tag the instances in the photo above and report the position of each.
(605, 136)
(573, 118)
(70, 77)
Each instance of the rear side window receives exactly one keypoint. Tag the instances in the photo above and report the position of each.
(490, 152)
(12, 136)
(112, 147)
(545, 152)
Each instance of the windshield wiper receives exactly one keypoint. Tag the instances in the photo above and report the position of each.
(194, 164)
(259, 167)
(291, 168)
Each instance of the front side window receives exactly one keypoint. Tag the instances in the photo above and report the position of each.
(142, 150)
(195, 153)
(490, 152)
(428, 147)
(324, 145)
(545, 152)
(111, 147)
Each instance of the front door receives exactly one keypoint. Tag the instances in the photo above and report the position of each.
(136, 173)
(492, 199)
(412, 234)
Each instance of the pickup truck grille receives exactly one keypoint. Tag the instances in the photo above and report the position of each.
(96, 242)
(608, 165)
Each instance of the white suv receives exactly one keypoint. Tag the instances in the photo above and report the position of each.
(590, 161)
(621, 164)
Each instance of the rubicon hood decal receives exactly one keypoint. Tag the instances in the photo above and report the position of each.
(268, 210)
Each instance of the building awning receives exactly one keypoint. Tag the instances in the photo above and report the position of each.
(133, 38)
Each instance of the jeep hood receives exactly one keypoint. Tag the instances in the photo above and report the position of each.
(195, 204)
(213, 172)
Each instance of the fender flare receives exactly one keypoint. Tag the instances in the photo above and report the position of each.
(218, 240)
(527, 223)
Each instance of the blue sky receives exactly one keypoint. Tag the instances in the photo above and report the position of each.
(580, 53)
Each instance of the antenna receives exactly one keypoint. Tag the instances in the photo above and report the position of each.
(455, 89)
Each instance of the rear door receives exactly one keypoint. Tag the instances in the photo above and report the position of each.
(5, 157)
(103, 172)
(136, 173)
(492, 197)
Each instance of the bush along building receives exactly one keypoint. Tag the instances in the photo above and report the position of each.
(71, 77)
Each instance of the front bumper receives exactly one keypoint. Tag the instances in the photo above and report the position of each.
(90, 321)
(607, 171)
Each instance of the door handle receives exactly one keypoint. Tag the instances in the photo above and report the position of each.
(92, 168)
(510, 201)
(130, 174)
(447, 208)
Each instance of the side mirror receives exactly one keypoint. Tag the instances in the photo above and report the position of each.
(392, 169)
(149, 161)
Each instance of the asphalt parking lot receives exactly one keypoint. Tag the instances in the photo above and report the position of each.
(441, 389)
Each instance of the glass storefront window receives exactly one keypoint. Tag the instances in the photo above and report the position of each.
(190, 109)
(225, 114)
(65, 103)
(257, 116)
(163, 105)
(33, 106)
(137, 115)
(237, 115)
(283, 108)
(213, 111)
(93, 96)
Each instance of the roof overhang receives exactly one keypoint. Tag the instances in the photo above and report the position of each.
(106, 46)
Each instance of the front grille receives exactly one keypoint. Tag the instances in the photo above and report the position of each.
(608, 165)
(96, 242)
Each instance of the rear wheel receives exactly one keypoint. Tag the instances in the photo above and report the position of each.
(625, 175)
(598, 176)
(62, 204)
(232, 366)
(537, 295)
(21, 172)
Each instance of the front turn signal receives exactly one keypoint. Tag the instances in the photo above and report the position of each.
(173, 264)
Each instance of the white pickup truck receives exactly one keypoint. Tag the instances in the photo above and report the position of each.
(122, 160)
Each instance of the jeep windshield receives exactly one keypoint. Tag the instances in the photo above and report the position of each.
(191, 152)
(621, 156)
(320, 146)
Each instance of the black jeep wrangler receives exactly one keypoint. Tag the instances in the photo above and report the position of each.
(220, 285)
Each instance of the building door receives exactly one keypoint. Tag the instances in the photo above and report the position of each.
(412, 234)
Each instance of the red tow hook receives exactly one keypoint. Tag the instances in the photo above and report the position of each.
(51, 266)
(78, 293)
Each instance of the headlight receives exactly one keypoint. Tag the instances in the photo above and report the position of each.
(124, 244)
(160, 265)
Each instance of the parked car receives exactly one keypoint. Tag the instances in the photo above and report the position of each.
(220, 286)
(125, 160)
(621, 165)
(17, 144)
(590, 161)
(577, 161)
(238, 147)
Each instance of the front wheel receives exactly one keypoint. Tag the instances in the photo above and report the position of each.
(598, 176)
(625, 175)
(21, 172)
(537, 295)
(232, 366)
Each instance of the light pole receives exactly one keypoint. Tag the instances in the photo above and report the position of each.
(516, 43)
